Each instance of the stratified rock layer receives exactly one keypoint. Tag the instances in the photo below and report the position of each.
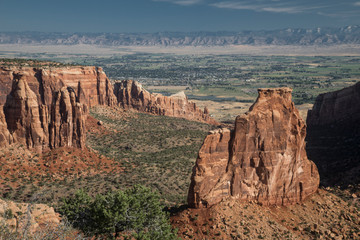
(334, 136)
(90, 84)
(47, 107)
(131, 95)
(62, 124)
(263, 159)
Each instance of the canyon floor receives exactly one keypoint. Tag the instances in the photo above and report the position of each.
(321, 216)
(127, 148)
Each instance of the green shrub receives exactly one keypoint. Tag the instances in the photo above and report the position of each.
(135, 212)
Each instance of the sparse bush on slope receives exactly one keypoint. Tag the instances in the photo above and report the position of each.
(135, 212)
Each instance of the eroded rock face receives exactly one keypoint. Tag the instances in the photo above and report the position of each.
(335, 107)
(89, 83)
(131, 95)
(262, 159)
(18, 217)
(39, 127)
(46, 107)
(22, 115)
(67, 125)
(5, 136)
(334, 136)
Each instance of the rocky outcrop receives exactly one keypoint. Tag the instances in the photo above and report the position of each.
(5, 136)
(131, 95)
(22, 115)
(67, 125)
(335, 107)
(40, 126)
(262, 159)
(22, 217)
(46, 107)
(334, 136)
(90, 84)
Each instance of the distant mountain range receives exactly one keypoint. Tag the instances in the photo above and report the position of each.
(290, 36)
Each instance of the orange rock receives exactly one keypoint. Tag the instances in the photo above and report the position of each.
(67, 125)
(24, 216)
(131, 95)
(89, 83)
(263, 159)
(46, 107)
(5, 136)
(22, 115)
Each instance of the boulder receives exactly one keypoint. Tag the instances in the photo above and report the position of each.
(23, 217)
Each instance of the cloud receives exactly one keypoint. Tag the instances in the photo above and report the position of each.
(263, 6)
(330, 8)
(181, 2)
(321, 7)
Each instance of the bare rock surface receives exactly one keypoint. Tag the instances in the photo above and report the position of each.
(334, 107)
(262, 159)
(21, 216)
(334, 136)
(90, 84)
(131, 95)
(46, 107)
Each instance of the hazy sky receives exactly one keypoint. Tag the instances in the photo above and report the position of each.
(174, 15)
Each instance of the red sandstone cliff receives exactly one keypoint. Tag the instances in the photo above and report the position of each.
(90, 84)
(333, 107)
(263, 159)
(46, 107)
(334, 136)
(131, 95)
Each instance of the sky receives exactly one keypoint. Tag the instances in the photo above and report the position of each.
(174, 15)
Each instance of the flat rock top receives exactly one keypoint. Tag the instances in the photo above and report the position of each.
(179, 95)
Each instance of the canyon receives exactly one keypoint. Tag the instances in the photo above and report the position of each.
(250, 180)
(46, 107)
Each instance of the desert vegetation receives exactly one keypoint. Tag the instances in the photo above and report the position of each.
(135, 212)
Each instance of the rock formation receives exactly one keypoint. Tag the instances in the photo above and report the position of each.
(46, 107)
(90, 84)
(5, 136)
(27, 217)
(40, 126)
(22, 115)
(262, 159)
(334, 136)
(131, 95)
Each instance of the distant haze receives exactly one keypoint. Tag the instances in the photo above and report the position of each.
(302, 37)
(114, 16)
